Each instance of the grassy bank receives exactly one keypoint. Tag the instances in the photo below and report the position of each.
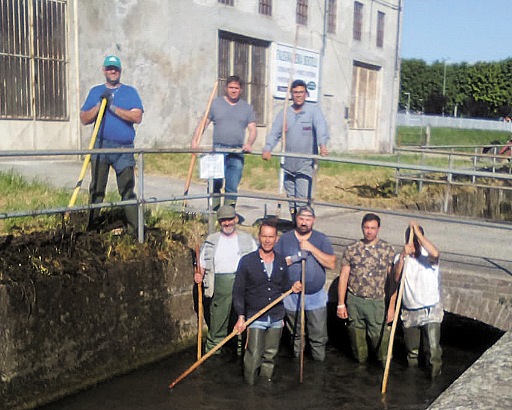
(22, 195)
(448, 136)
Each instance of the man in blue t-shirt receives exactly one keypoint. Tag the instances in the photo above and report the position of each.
(124, 109)
(230, 116)
(304, 243)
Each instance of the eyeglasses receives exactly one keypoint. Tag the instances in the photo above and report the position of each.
(112, 67)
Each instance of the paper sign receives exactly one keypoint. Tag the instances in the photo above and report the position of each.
(211, 166)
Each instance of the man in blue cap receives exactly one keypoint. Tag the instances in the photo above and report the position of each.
(306, 132)
(124, 109)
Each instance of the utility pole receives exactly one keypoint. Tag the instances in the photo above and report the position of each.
(444, 84)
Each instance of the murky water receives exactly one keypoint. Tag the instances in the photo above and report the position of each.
(339, 383)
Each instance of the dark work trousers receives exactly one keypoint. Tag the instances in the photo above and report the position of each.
(125, 186)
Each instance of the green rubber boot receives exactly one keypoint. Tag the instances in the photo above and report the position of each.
(253, 354)
(358, 343)
(380, 345)
(412, 336)
(433, 348)
(272, 339)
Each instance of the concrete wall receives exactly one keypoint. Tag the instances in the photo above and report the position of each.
(169, 52)
(62, 333)
(487, 298)
(422, 120)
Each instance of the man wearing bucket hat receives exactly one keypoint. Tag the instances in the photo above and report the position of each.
(124, 109)
(306, 131)
(219, 259)
(305, 243)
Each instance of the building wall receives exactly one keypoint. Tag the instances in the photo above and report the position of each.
(169, 52)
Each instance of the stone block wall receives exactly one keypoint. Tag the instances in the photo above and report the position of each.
(487, 298)
(59, 334)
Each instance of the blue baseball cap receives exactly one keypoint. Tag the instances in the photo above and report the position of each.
(112, 61)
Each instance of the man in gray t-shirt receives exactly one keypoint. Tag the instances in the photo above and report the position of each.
(230, 116)
(306, 131)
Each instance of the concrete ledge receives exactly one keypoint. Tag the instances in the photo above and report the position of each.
(485, 385)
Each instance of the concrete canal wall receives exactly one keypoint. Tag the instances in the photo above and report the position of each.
(484, 297)
(485, 385)
(60, 333)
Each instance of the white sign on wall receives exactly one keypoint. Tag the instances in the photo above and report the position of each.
(306, 67)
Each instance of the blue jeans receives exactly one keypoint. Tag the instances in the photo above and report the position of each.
(266, 323)
(233, 167)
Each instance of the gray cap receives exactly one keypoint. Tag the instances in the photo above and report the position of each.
(226, 212)
(306, 208)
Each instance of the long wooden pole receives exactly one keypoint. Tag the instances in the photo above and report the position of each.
(201, 131)
(199, 307)
(302, 319)
(87, 159)
(229, 337)
(395, 319)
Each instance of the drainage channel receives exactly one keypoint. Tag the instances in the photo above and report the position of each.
(338, 383)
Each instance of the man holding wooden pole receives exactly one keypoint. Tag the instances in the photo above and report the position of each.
(306, 133)
(261, 278)
(422, 309)
(230, 116)
(219, 259)
(305, 243)
(124, 109)
(366, 266)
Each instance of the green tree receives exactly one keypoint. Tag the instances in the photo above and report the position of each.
(483, 89)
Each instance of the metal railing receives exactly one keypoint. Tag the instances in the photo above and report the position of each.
(475, 159)
(142, 201)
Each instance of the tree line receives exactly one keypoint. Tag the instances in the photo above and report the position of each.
(481, 90)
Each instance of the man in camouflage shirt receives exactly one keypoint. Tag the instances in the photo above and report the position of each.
(366, 265)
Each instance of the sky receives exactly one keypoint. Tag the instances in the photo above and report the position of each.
(457, 30)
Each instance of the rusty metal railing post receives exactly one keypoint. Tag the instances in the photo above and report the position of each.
(448, 190)
(140, 199)
(473, 179)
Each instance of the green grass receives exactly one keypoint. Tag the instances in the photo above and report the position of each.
(449, 136)
(18, 194)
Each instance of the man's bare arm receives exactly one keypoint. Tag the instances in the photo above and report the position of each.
(341, 311)
(326, 260)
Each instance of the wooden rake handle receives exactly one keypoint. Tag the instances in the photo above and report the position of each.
(226, 339)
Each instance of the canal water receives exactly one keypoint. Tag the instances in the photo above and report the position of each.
(339, 383)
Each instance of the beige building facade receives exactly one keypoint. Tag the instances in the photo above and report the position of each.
(174, 51)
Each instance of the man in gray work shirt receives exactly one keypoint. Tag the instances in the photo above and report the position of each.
(230, 116)
(306, 130)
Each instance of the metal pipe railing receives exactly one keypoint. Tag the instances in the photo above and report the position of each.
(141, 201)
